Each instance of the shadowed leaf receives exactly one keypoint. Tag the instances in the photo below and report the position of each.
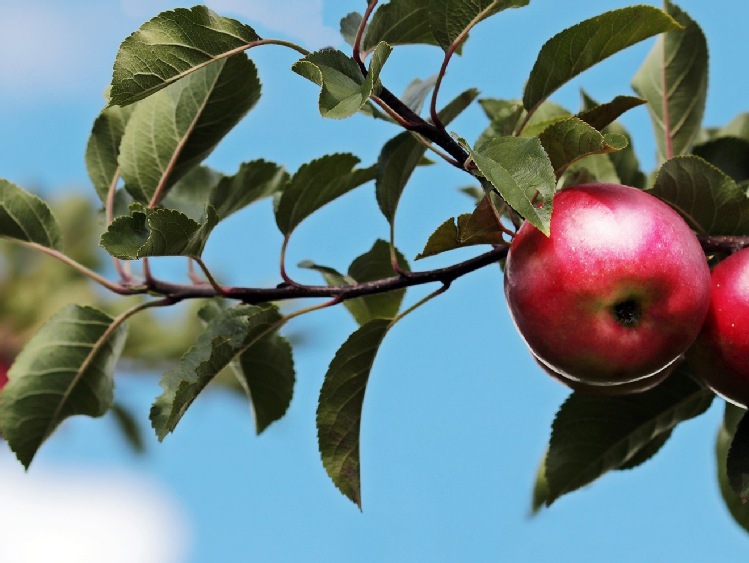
(103, 148)
(600, 116)
(399, 22)
(449, 18)
(738, 510)
(340, 407)
(66, 369)
(737, 461)
(581, 46)
(673, 79)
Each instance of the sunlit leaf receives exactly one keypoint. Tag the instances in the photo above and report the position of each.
(452, 234)
(228, 335)
(27, 218)
(103, 148)
(399, 22)
(673, 79)
(519, 168)
(587, 43)
(175, 129)
(157, 232)
(402, 154)
(572, 139)
(592, 435)
(66, 369)
(344, 88)
(171, 46)
(448, 19)
(340, 408)
(709, 200)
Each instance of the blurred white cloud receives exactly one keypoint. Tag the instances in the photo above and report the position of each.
(87, 516)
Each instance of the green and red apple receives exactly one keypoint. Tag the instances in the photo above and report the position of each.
(615, 294)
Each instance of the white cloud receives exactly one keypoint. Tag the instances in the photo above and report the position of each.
(299, 19)
(87, 517)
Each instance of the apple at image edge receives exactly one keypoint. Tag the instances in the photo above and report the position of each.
(616, 293)
(720, 355)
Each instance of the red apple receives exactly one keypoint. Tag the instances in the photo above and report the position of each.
(720, 356)
(4, 367)
(617, 292)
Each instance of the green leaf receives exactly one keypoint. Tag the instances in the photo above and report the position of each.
(737, 127)
(519, 168)
(737, 461)
(593, 168)
(417, 91)
(171, 46)
(267, 376)
(228, 335)
(646, 452)
(340, 407)
(316, 184)
(66, 369)
(190, 194)
(730, 154)
(253, 181)
(350, 26)
(157, 232)
(600, 116)
(129, 427)
(345, 90)
(103, 148)
(172, 131)
(584, 45)
(592, 435)
(373, 265)
(673, 79)
(399, 22)
(709, 200)
(450, 18)
(572, 139)
(27, 218)
(625, 162)
(403, 153)
(452, 234)
(738, 509)
(540, 488)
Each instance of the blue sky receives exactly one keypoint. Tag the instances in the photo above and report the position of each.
(457, 415)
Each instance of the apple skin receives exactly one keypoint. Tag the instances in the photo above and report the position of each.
(4, 367)
(617, 292)
(720, 356)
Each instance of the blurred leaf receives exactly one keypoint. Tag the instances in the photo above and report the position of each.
(625, 161)
(449, 18)
(504, 115)
(673, 79)
(603, 115)
(345, 90)
(171, 46)
(417, 91)
(540, 487)
(190, 194)
(267, 376)
(175, 129)
(739, 510)
(587, 43)
(593, 168)
(403, 153)
(737, 127)
(519, 168)
(316, 184)
(66, 369)
(710, 201)
(129, 427)
(450, 236)
(103, 148)
(592, 435)
(737, 461)
(340, 407)
(399, 22)
(27, 218)
(373, 265)
(730, 154)
(572, 139)
(228, 335)
(349, 26)
(157, 232)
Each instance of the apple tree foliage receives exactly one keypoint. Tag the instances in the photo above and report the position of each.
(185, 78)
